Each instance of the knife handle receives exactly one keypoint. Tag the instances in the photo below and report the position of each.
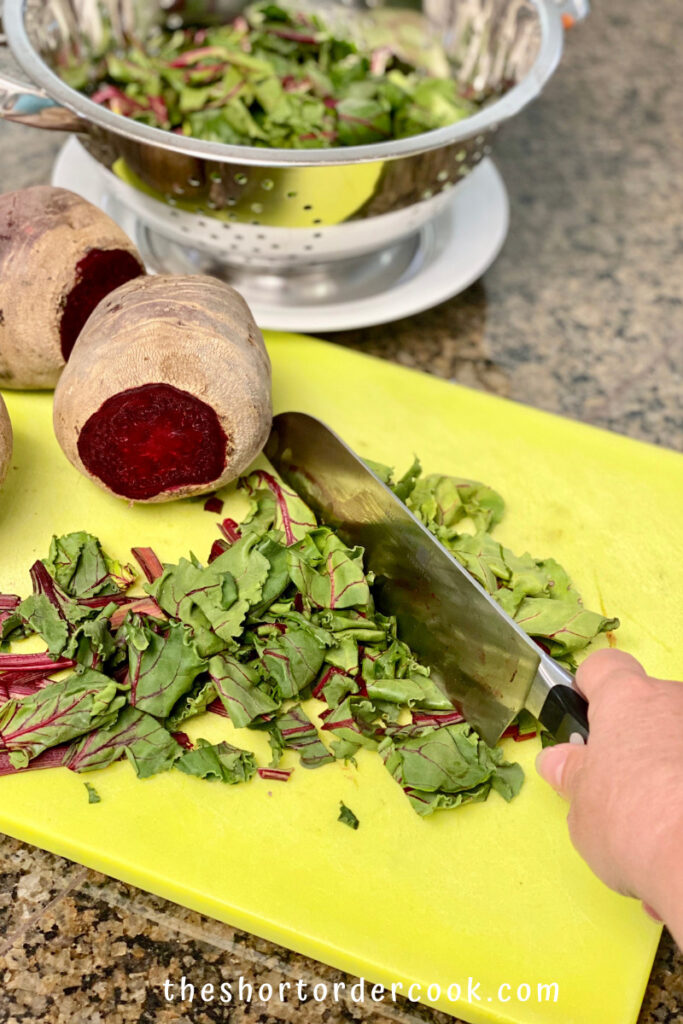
(554, 701)
(564, 713)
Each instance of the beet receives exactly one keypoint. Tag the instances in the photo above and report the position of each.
(97, 274)
(166, 393)
(59, 257)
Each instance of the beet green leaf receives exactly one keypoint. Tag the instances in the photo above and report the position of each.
(295, 730)
(346, 816)
(241, 689)
(82, 569)
(56, 714)
(162, 667)
(219, 761)
(327, 573)
(149, 747)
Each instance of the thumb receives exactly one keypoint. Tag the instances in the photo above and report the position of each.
(560, 767)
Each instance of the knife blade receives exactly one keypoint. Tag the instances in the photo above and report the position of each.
(481, 659)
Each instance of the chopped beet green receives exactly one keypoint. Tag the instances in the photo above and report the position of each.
(149, 747)
(279, 77)
(295, 730)
(32, 663)
(217, 549)
(80, 567)
(93, 796)
(163, 664)
(346, 816)
(219, 761)
(277, 774)
(60, 712)
(230, 530)
(148, 562)
(281, 617)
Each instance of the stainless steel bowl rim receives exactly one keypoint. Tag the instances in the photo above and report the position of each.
(490, 117)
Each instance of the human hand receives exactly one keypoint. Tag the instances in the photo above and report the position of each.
(625, 786)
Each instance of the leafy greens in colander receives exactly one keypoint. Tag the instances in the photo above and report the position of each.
(279, 77)
(280, 616)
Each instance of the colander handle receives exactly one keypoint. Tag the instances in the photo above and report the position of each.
(26, 104)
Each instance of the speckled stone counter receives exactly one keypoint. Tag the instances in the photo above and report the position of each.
(581, 314)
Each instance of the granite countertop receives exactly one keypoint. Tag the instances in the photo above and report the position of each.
(578, 316)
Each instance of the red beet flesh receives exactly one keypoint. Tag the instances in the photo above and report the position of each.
(97, 274)
(151, 439)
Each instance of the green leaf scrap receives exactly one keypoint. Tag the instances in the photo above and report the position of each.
(346, 816)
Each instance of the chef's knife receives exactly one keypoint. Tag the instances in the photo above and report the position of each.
(482, 660)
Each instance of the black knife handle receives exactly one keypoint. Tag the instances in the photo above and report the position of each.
(564, 712)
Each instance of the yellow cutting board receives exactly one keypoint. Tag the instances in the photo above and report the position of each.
(492, 892)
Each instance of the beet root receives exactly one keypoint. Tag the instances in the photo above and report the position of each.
(167, 390)
(59, 257)
(6, 440)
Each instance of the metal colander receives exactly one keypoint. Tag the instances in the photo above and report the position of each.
(281, 211)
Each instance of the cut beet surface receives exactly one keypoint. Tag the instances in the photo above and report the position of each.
(97, 274)
(152, 439)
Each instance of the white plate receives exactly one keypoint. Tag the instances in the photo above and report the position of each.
(455, 249)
